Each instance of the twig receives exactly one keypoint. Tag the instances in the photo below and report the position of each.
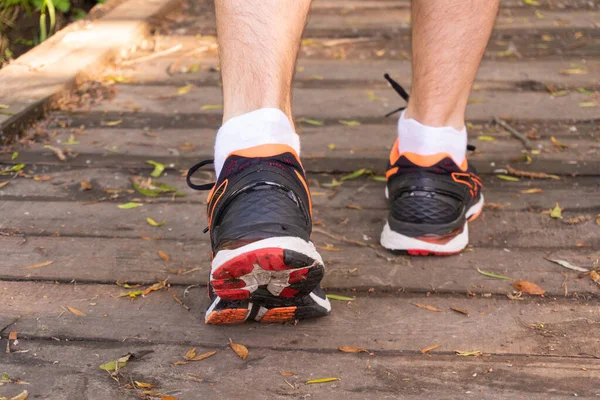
(532, 175)
(153, 55)
(343, 239)
(526, 142)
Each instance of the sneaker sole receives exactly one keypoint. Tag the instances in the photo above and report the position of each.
(287, 267)
(237, 314)
(451, 244)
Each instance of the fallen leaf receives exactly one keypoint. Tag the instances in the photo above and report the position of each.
(14, 168)
(40, 265)
(152, 189)
(144, 385)
(14, 155)
(286, 374)
(588, 104)
(42, 178)
(191, 353)
(568, 265)
(493, 275)
(21, 396)
(486, 138)
(531, 191)
(427, 307)
(4, 106)
(349, 349)
(203, 356)
(321, 380)
(179, 363)
(72, 140)
(184, 89)
(334, 183)
(379, 178)
(76, 311)
(576, 220)
(349, 122)
(595, 276)
(157, 286)
(528, 287)
(85, 185)
(132, 295)
(154, 223)
(129, 205)
(557, 143)
(573, 71)
(585, 91)
(4, 184)
(113, 123)
(529, 174)
(12, 335)
(354, 174)
(168, 398)
(164, 255)
(59, 153)
(458, 310)
(239, 349)
(340, 298)
(211, 107)
(430, 348)
(473, 353)
(331, 146)
(116, 364)
(312, 121)
(158, 168)
(556, 212)
(508, 178)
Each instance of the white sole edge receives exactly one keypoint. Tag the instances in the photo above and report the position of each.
(396, 241)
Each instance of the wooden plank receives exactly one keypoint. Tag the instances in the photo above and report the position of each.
(49, 70)
(510, 229)
(378, 376)
(348, 268)
(64, 184)
(496, 325)
(352, 103)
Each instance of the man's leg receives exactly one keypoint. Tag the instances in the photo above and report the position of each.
(264, 266)
(433, 191)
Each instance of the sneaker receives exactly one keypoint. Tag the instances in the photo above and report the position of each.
(259, 219)
(431, 200)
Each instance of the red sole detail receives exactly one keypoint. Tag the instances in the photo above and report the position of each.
(288, 292)
(297, 276)
(416, 252)
(229, 316)
(233, 294)
(219, 284)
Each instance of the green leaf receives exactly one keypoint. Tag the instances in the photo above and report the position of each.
(556, 212)
(4, 106)
(129, 205)
(14, 168)
(211, 107)
(340, 298)
(486, 138)
(493, 275)
(309, 121)
(334, 183)
(588, 104)
(156, 189)
(349, 122)
(468, 353)
(379, 178)
(584, 91)
(508, 178)
(532, 2)
(72, 140)
(355, 174)
(154, 223)
(133, 294)
(14, 155)
(321, 380)
(158, 168)
(116, 364)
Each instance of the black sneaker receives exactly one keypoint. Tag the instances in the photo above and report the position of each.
(264, 267)
(431, 201)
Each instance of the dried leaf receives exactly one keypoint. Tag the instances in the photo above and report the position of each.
(340, 298)
(493, 275)
(321, 380)
(354, 175)
(556, 212)
(595, 276)
(211, 107)
(508, 178)
(203, 356)
(458, 310)
(12, 335)
(158, 168)
(573, 71)
(164, 255)
(40, 265)
(576, 220)
(427, 307)
(157, 286)
(113, 123)
(129, 205)
(349, 349)
(532, 175)
(85, 185)
(42, 178)
(184, 89)
(154, 223)
(179, 363)
(116, 364)
(239, 349)
(144, 385)
(528, 287)
(557, 143)
(4, 184)
(588, 104)
(331, 146)
(76, 311)
(349, 122)
(21, 396)
(59, 153)
(165, 397)
(4, 106)
(568, 265)
(531, 191)
(430, 348)
(486, 138)
(286, 374)
(191, 353)
(473, 353)
(152, 189)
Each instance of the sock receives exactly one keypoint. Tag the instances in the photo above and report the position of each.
(425, 140)
(264, 126)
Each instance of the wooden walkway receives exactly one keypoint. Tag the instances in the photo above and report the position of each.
(67, 249)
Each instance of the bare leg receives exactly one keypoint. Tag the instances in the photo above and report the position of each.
(258, 41)
(448, 41)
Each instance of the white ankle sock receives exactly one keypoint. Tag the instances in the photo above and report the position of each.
(415, 137)
(264, 126)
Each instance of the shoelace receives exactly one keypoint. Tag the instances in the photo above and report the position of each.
(404, 94)
(192, 171)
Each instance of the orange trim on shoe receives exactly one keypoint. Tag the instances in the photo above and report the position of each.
(212, 205)
(305, 188)
(421, 160)
(265, 150)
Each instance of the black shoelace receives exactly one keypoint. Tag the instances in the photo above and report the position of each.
(404, 94)
(192, 171)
